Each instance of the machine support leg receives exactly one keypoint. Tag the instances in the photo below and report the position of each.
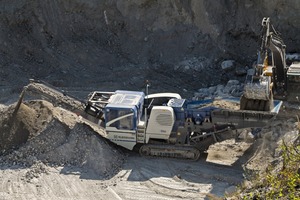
(214, 136)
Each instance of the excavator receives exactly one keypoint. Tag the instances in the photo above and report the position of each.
(161, 124)
(266, 82)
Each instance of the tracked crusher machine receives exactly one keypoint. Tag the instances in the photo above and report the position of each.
(161, 124)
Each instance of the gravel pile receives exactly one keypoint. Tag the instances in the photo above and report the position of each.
(57, 143)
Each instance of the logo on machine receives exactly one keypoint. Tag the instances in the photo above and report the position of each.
(123, 137)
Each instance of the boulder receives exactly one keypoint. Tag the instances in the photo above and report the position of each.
(219, 90)
(232, 82)
(202, 93)
(228, 65)
(293, 57)
(240, 71)
(212, 89)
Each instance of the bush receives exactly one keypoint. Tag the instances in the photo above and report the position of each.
(285, 183)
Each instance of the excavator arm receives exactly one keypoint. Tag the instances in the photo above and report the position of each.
(266, 79)
(273, 42)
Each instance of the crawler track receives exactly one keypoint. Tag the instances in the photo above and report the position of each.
(186, 152)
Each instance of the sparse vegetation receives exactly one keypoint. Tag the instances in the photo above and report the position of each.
(285, 183)
(281, 182)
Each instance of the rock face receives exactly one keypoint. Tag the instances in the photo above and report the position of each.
(227, 65)
(92, 42)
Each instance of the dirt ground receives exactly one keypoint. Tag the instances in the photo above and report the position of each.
(50, 153)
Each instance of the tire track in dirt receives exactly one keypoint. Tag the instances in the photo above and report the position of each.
(48, 186)
(158, 178)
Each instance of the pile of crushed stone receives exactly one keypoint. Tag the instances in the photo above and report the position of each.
(266, 148)
(54, 137)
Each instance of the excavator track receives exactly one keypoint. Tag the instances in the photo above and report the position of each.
(172, 151)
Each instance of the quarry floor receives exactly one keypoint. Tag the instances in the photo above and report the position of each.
(139, 178)
(65, 159)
